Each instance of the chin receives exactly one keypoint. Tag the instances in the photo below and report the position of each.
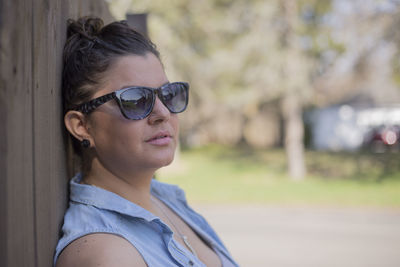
(165, 160)
(168, 161)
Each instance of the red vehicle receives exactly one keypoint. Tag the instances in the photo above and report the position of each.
(383, 138)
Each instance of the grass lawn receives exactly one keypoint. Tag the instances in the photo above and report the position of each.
(217, 174)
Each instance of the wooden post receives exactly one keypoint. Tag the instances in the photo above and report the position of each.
(138, 22)
(33, 172)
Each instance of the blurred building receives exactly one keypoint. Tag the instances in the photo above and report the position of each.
(351, 127)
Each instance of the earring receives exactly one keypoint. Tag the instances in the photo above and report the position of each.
(85, 143)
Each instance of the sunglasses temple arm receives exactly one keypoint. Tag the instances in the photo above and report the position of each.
(95, 103)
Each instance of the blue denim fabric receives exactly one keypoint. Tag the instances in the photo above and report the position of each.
(95, 210)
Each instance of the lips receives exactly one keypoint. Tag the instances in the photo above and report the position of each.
(161, 138)
(159, 135)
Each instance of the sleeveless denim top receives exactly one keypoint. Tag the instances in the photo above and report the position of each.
(95, 210)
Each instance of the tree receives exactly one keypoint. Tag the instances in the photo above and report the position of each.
(359, 53)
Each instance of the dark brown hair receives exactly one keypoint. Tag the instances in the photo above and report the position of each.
(89, 51)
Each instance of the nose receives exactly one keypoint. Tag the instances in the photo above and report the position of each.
(160, 112)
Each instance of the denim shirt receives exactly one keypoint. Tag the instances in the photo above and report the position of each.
(95, 210)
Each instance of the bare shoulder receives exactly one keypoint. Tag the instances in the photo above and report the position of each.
(100, 249)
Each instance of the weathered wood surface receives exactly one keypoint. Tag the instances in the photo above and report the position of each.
(33, 172)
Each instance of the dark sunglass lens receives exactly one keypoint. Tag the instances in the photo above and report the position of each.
(175, 97)
(136, 102)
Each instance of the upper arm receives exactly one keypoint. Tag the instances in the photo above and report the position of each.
(100, 249)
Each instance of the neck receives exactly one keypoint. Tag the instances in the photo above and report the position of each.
(135, 188)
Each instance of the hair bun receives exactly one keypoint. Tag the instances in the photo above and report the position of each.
(88, 27)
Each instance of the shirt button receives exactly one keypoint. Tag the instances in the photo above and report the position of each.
(191, 263)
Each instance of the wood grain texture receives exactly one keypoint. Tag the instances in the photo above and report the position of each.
(33, 172)
(3, 142)
(16, 77)
(48, 152)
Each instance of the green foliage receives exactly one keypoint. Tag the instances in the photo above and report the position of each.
(396, 69)
(316, 32)
(224, 175)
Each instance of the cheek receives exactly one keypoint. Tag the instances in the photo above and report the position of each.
(115, 133)
(175, 125)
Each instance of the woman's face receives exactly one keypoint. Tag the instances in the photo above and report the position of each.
(127, 146)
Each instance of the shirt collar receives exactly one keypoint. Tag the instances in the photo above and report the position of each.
(103, 199)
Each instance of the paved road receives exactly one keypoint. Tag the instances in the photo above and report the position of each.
(307, 237)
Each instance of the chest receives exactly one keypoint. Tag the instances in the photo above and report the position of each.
(161, 247)
(186, 237)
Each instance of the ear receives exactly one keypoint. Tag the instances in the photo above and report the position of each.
(77, 124)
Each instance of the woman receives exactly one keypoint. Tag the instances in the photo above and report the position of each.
(121, 112)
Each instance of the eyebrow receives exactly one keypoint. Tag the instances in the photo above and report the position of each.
(129, 86)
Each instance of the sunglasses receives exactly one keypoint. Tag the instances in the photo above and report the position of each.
(137, 102)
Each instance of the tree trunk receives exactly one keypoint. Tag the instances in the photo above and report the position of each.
(291, 102)
(294, 136)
